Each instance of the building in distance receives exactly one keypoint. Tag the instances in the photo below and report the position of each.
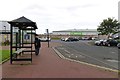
(77, 32)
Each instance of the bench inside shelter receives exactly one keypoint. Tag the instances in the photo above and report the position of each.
(16, 53)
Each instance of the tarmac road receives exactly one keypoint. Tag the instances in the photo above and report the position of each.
(97, 55)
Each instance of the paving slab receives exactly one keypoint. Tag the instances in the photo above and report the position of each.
(49, 65)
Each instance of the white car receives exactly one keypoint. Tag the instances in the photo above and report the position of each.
(99, 42)
(44, 39)
(62, 39)
(85, 38)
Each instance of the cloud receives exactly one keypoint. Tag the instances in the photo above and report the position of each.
(71, 8)
(60, 14)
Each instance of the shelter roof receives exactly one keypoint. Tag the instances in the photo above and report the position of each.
(23, 23)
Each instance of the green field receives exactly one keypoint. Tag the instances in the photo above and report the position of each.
(4, 54)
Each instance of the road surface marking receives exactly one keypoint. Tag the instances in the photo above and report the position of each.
(113, 52)
(61, 56)
(81, 56)
(93, 58)
(113, 61)
(66, 51)
(61, 48)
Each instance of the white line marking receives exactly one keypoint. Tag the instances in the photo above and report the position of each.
(112, 52)
(61, 56)
(113, 61)
(81, 56)
(66, 51)
(92, 57)
(61, 48)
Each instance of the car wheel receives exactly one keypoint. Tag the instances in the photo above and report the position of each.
(97, 44)
(103, 44)
(109, 45)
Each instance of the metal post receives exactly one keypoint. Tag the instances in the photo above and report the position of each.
(22, 38)
(11, 31)
(47, 36)
(16, 41)
(19, 38)
(31, 44)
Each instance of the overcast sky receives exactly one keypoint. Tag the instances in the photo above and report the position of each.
(60, 14)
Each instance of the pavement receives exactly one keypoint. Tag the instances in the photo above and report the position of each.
(49, 65)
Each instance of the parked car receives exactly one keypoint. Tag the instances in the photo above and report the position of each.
(99, 42)
(94, 38)
(110, 42)
(85, 38)
(67, 39)
(62, 39)
(79, 38)
(90, 38)
(45, 39)
(118, 45)
(104, 42)
(71, 39)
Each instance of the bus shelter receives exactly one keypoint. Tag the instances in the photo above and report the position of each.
(22, 32)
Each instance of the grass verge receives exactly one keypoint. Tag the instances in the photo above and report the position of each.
(4, 55)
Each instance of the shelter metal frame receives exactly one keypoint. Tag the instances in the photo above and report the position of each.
(23, 24)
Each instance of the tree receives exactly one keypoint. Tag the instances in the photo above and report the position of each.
(108, 26)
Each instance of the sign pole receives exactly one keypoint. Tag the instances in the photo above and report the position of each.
(47, 36)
